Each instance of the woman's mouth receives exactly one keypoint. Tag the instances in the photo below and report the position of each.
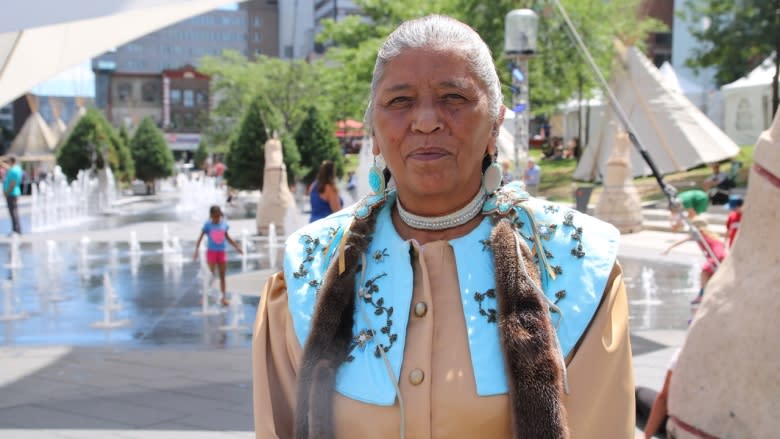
(428, 154)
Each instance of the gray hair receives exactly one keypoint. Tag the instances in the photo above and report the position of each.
(440, 32)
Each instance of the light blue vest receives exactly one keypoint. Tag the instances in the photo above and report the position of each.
(579, 249)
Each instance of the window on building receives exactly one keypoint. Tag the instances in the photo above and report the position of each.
(175, 96)
(663, 39)
(258, 51)
(176, 121)
(201, 98)
(660, 58)
(150, 92)
(188, 121)
(257, 21)
(124, 91)
(135, 64)
(257, 37)
(189, 98)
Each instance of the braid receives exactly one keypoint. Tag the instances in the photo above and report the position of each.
(327, 346)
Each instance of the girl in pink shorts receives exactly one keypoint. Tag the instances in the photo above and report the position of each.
(216, 230)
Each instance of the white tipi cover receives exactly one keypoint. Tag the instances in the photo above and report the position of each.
(676, 134)
(74, 120)
(57, 129)
(35, 140)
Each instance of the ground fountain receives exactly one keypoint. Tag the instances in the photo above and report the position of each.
(133, 244)
(207, 290)
(110, 305)
(51, 279)
(236, 315)
(55, 203)
(14, 260)
(9, 303)
(195, 208)
(83, 264)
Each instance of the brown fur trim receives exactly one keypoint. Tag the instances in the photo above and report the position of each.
(329, 338)
(530, 352)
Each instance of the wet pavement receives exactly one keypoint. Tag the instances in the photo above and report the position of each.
(170, 372)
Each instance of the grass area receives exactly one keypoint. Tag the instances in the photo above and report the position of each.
(557, 184)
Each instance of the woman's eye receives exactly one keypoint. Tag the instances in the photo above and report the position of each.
(398, 100)
(453, 97)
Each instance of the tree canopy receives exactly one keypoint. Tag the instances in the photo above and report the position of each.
(245, 160)
(94, 144)
(153, 158)
(317, 142)
(736, 36)
(555, 73)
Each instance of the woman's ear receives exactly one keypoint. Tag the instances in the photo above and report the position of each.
(375, 145)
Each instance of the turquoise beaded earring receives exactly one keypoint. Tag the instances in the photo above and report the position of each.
(376, 178)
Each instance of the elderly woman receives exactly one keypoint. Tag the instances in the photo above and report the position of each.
(446, 306)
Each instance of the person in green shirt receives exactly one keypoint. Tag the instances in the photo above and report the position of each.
(694, 202)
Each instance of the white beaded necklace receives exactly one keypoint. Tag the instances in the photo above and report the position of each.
(454, 219)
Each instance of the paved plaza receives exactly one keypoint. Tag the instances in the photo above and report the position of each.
(173, 374)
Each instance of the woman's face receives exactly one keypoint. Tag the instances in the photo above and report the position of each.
(431, 123)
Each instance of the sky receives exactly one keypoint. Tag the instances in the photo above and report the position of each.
(76, 81)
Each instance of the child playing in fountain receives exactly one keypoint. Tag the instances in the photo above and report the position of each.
(714, 243)
(216, 229)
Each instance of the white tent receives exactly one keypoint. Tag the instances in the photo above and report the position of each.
(35, 140)
(748, 103)
(40, 38)
(676, 134)
(694, 92)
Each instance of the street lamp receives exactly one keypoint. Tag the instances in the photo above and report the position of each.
(520, 44)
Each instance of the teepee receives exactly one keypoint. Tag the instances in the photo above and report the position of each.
(74, 120)
(57, 126)
(677, 135)
(35, 141)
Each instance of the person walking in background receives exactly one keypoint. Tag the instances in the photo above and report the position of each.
(734, 218)
(216, 231)
(219, 171)
(323, 194)
(531, 176)
(12, 190)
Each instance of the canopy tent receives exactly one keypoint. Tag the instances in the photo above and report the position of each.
(35, 141)
(676, 134)
(349, 128)
(748, 103)
(40, 38)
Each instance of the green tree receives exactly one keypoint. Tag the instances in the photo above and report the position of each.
(201, 154)
(739, 36)
(245, 160)
(153, 158)
(557, 72)
(317, 142)
(292, 157)
(94, 144)
(290, 85)
(125, 158)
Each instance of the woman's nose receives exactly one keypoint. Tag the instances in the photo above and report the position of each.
(426, 118)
